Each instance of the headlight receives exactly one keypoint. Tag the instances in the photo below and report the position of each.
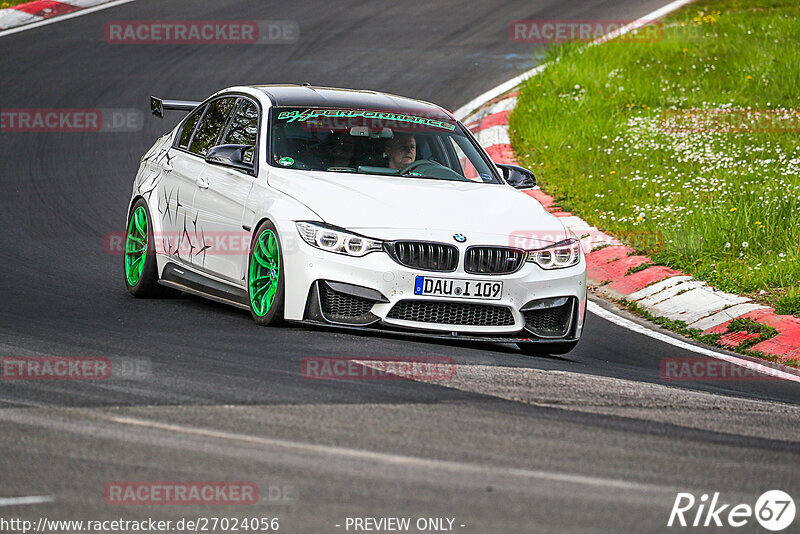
(563, 254)
(333, 240)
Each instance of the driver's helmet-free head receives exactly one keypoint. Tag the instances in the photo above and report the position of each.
(401, 150)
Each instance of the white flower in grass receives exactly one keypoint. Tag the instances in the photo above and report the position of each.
(727, 245)
(745, 244)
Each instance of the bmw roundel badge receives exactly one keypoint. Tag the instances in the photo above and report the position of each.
(460, 237)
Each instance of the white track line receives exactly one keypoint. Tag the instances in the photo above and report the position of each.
(396, 459)
(59, 18)
(475, 103)
(21, 501)
(641, 329)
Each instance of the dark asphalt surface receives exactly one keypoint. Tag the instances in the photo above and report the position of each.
(593, 441)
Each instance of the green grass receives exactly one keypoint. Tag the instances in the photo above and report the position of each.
(748, 325)
(9, 3)
(641, 267)
(725, 206)
(789, 302)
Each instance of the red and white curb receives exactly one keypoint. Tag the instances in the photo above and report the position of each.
(42, 10)
(662, 291)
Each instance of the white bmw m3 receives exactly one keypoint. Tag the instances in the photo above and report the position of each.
(351, 209)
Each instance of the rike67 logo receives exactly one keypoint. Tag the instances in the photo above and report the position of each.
(774, 510)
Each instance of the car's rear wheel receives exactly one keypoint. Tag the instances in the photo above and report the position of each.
(265, 276)
(542, 349)
(141, 272)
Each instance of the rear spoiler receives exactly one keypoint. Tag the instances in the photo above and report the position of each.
(158, 106)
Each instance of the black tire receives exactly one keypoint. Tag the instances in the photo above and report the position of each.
(275, 313)
(147, 285)
(542, 349)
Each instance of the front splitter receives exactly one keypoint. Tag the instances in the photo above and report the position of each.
(453, 336)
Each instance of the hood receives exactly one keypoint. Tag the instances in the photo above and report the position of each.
(383, 205)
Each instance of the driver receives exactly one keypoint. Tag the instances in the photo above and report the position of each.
(401, 150)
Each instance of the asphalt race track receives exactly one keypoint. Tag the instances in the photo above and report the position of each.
(594, 441)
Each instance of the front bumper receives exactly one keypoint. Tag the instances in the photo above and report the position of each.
(378, 272)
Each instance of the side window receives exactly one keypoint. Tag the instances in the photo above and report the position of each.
(211, 125)
(188, 128)
(243, 129)
(467, 169)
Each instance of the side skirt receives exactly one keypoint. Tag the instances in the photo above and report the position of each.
(202, 286)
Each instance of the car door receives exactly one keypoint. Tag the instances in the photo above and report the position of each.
(220, 200)
(180, 171)
(189, 242)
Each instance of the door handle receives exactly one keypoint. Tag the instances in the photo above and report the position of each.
(202, 183)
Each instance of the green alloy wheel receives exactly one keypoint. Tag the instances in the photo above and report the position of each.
(136, 246)
(265, 276)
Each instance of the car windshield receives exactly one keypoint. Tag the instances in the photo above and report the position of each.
(375, 142)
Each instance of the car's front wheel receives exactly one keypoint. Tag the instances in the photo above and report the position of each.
(542, 349)
(265, 275)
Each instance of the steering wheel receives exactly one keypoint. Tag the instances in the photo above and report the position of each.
(449, 174)
(419, 163)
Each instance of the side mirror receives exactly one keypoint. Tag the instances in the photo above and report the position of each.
(231, 156)
(516, 176)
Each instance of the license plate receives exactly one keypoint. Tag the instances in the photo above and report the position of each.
(463, 289)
